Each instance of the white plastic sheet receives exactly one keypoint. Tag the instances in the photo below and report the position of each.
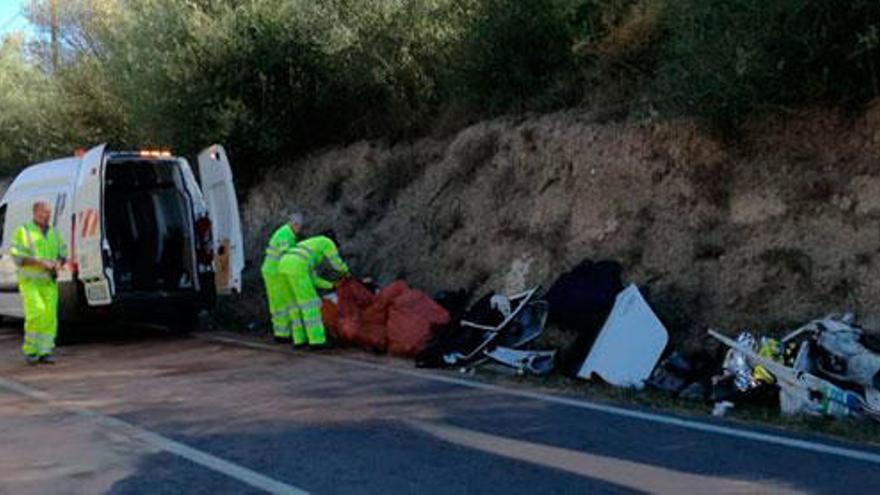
(629, 344)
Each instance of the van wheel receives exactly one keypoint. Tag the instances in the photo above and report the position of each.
(186, 322)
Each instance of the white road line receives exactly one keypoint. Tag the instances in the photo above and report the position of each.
(810, 446)
(199, 457)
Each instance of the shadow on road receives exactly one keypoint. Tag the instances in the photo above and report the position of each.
(84, 333)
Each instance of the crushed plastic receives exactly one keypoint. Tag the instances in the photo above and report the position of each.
(800, 391)
(737, 365)
(526, 327)
(524, 361)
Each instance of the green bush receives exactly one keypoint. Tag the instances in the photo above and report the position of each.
(31, 126)
(273, 79)
(727, 59)
(517, 55)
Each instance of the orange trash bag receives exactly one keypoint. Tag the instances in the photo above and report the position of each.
(373, 333)
(353, 299)
(412, 319)
(398, 319)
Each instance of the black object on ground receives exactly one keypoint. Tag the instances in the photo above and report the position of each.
(580, 301)
(685, 375)
(493, 322)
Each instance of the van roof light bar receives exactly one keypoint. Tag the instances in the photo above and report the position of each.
(155, 153)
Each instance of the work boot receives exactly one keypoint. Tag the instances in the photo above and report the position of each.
(300, 345)
(282, 340)
(32, 360)
(321, 347)
(47, 359)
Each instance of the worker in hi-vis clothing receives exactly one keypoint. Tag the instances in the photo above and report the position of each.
(299, 266)
(39, 252)
(278, 293)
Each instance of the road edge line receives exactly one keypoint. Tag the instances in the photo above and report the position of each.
(204, 459)
(768, 438)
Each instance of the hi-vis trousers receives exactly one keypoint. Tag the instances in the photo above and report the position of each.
(281, 301)
(40, 298)
(305, 315)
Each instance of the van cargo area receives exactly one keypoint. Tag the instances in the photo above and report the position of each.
(148, 224)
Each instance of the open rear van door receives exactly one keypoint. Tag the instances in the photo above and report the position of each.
(87, 242)
(219, 191)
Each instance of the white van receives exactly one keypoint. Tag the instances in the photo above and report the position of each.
(146, 242)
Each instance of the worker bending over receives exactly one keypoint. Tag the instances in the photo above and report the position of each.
(39, 252)
(299, 267)
(278, 292)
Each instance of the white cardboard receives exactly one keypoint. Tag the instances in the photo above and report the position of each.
(629, 344)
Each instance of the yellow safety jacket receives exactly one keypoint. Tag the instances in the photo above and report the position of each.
(29, 241)
(315, 250)
(282, 240)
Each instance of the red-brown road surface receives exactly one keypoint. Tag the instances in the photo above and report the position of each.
(138, 411)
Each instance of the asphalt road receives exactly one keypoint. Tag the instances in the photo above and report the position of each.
(136, 411)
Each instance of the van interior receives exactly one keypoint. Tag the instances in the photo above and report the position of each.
(148, 224)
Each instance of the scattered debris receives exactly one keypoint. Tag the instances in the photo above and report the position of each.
(579, 302)
(828, 367)
(805, 385)
(526, 327)
(721, 408)
(486, 317)
(842, 356)
(495, 329)
(736, 366)
(629, 344)
(524, 362)
(687, 376)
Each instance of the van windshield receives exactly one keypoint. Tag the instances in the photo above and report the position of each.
(148, 225)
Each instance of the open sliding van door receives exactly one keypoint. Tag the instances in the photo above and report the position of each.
(219, 191)
(88, 241)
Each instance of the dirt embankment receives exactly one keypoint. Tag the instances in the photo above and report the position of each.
(777, 229)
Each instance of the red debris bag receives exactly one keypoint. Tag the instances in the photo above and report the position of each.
(353, 299)
(397, 319)
(411, 322)
(373, 333)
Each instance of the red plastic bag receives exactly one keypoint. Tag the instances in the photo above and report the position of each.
(373, 333)
(353, 299)
(397, 319)
(411, 321)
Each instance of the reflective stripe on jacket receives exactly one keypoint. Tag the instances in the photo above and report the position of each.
(314, 250)
(29, 241)
(282, 240)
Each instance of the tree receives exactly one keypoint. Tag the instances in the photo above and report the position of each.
(77, 26)
(28, 123)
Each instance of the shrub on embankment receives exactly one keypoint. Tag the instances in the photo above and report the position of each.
(274, 79)
(727, 59)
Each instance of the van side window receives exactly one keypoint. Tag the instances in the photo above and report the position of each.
(2, 222)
